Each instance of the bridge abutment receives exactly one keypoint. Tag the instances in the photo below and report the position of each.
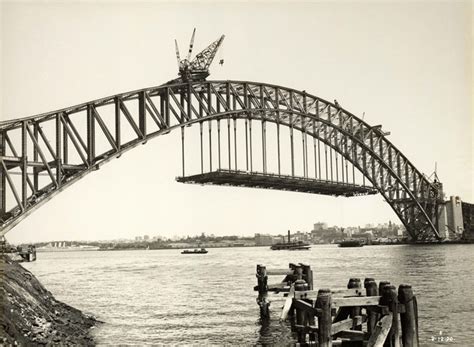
(443, 222)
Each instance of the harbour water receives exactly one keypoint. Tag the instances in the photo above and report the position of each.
(164, 297)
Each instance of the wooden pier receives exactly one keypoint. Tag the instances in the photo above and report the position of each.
(373, 316)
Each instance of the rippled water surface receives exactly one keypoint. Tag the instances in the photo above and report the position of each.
(163, 297)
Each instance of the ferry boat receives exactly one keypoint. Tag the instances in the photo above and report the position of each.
(351, 243)
(195, 251)
(291, 245)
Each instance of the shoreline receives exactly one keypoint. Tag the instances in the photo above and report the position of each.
(32, 316)
(449, 242)
(452, 242)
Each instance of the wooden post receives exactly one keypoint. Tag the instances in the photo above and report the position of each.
(354, 283)
(299, 272)
(293, 277)
(290, 279)
(366, 280)
(262, 291)
(323, 302)
(311, 321)
(308, 275)
(262, 279)
(408, 319)
(300, 285)
(382, 284)
(371, 290)
(389, 298)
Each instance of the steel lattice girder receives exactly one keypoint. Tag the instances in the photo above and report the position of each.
(411, 195)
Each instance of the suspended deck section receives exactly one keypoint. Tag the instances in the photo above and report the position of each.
(278, 182)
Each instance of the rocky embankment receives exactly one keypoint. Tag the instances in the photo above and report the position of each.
(30, 315)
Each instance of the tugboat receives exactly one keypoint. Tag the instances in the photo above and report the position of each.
(351, 243)
(291, 246)
(195, 251)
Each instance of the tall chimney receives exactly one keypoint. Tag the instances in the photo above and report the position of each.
(289, 236)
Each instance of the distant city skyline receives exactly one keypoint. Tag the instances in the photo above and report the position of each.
(387, 233)
(151, 237)
(406, 66)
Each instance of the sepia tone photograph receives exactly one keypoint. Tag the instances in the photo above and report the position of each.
(210, 173)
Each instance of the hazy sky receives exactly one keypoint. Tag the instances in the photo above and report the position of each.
(407, 65)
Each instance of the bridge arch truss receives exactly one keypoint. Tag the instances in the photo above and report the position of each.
(59, 148)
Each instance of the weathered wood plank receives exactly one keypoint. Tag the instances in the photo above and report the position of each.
(278, 287)
(307, 328)
(353, 335)
(380, 309)
(336, 293)
(347, 324)
(283, 290)
(356, 301)
(288, 303)
(348, 292)
(303, 305)
(381, 331)
(274, 272)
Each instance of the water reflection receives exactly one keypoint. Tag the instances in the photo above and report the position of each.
(161, 297)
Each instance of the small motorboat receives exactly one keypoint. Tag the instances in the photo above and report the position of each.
(195, 251)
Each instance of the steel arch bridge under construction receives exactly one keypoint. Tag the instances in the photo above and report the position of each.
(43, 154)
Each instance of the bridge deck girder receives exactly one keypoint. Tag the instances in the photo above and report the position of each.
(277, 182)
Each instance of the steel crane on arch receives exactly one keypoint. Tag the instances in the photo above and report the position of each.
(198, 68)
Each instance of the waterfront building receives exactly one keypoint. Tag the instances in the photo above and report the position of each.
(348, 232)
(319, 226)
(263, 239)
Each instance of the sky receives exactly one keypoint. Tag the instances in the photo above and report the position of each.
(406, 65)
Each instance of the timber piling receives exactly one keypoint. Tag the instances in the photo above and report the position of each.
(262, 300)
(378, 316)
(371, 290)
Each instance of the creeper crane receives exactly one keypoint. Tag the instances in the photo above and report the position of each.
(198, 68)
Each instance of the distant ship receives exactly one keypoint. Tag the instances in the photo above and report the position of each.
(291, 245)
(195, 251)
(351, 243)
(61, 247)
